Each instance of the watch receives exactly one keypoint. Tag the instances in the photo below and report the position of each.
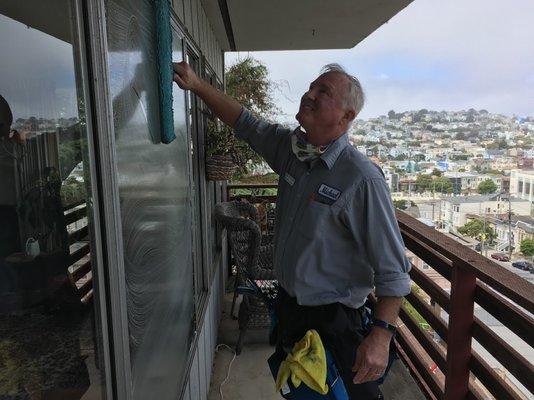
(383, 324)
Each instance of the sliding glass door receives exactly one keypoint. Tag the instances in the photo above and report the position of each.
(51, 334)
(155, 191)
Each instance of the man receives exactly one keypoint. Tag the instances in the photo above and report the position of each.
(336, 236)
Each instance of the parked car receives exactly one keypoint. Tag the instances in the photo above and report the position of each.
(524, 265)
(500, 257)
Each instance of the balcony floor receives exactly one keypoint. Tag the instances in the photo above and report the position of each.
(250, 377)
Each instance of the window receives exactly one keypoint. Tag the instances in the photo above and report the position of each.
(157, 204)
(212, 189)
(50, 340)
(201, 257)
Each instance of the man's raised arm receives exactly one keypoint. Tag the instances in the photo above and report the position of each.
(223, 106)
(271, 141)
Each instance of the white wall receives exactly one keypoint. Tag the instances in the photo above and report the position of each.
(198, 383)
(193, 17)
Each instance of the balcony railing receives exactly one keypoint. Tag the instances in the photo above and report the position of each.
(79, 269)
(445, 345)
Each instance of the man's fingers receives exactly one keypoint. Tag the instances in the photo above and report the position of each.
(365, 369)
(358, 361)
(176, 78)
(362, 375)
(361, 369)
(367, 374)
(179, 67)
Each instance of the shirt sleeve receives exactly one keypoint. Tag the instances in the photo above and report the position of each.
(371, 219)
(271, 141)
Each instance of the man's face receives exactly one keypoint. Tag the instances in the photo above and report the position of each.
(321, 107)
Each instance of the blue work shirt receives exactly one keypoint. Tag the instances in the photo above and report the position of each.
(336, 235)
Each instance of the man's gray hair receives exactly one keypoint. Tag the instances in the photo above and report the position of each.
(355, 97)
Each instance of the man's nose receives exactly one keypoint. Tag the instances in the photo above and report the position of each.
(309, 95)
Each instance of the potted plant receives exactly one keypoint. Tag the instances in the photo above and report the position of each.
(220, 150)
(248, 82)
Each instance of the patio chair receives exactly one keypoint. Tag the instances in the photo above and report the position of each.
(254, 264)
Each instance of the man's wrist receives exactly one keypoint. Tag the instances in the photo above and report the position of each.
(382, 328)
(197, 86)
(384, 325)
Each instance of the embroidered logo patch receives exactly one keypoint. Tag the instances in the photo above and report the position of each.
(289, 179)
(329, 192)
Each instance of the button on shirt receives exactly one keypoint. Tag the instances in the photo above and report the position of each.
(336, 235)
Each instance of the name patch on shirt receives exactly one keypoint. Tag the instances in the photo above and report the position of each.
(329, 192)
(289, 179)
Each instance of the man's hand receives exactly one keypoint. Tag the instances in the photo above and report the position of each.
(223, 106)
(185, 77)
(372, 356)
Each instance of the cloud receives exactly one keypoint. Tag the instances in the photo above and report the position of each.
(434, 54)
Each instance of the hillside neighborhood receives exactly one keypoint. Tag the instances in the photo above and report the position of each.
(453, 170)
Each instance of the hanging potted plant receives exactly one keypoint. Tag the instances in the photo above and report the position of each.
(248, 82)
(220, 151)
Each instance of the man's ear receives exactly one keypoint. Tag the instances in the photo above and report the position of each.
(348, 117)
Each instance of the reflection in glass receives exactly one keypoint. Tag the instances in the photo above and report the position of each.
(49, 332)
(155, 195)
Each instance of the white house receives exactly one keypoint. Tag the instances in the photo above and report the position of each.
(522, 184)
(455, 211)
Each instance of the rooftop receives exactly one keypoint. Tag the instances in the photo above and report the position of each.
(480, 199)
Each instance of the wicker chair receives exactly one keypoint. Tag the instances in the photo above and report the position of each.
(254, 263)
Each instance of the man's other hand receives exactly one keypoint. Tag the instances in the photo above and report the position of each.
(184, 76)
(372, 356)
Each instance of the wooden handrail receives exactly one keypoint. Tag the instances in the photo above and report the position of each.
(76, 215)
(73, 213)
(506, 312)
(510, 285)
(253, 186)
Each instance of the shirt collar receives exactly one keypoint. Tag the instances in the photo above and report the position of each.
(334, 149)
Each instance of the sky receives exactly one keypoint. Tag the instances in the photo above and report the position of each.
(36, 72)
(435, 54)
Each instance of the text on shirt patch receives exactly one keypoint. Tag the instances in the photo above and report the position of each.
(329, 192)
(289, 179)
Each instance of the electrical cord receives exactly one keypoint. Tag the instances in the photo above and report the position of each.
(229, 367)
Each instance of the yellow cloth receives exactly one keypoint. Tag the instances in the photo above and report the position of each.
(306, 363)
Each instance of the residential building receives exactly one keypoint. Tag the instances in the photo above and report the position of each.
(456, 211)
(392, 179)
(499, 180)
(407, 185)
(522, 184)
(515, 230)
(461, 181)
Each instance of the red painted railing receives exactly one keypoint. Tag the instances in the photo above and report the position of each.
(436, 342)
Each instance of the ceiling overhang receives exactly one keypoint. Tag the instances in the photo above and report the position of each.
(256, 25)
(50, 16)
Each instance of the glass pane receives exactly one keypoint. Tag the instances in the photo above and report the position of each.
(50, 336)
(198, 253)
(155, 195)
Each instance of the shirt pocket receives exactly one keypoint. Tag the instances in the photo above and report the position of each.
(315, 220)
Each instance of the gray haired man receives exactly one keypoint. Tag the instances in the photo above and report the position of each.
(336, 236)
